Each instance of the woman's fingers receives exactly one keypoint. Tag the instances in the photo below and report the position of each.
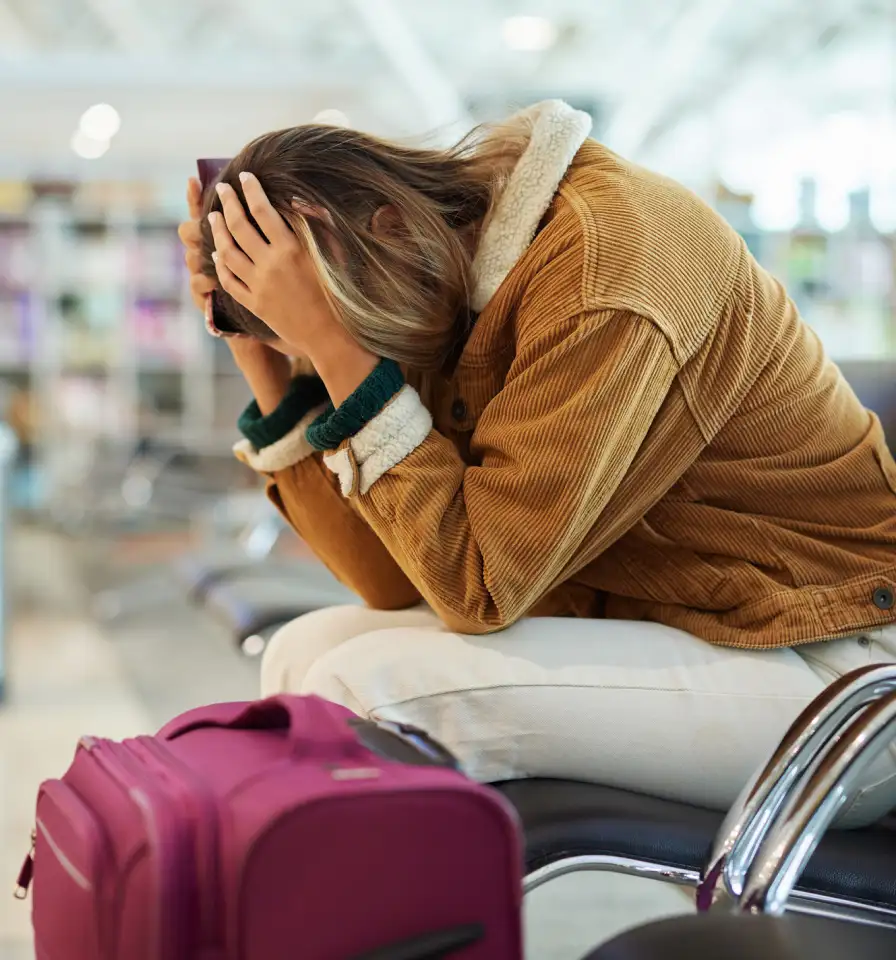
(227, 252)
(190, 233)
(200, 284)
(194, 260)
(250, 240)
(232, 284)
(200, 287)
(272, 224)
(194, 198)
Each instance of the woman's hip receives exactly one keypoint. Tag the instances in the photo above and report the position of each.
(635, 705)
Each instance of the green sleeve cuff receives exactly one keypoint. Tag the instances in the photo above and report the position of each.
(304, 394)
(334, 426)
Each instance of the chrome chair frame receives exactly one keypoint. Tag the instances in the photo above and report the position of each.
(812, 735)
(793, 839)
(773, 798)
(800, 902)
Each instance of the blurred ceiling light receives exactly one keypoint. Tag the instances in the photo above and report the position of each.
(100, 122)
(529, 33)
(776, 204)
(883, 205)
(88, 147)
(832, 206)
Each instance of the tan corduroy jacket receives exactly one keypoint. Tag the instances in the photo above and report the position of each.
(640, 427)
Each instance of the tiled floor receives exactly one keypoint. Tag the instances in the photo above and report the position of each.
(69, 677)
(64, 680)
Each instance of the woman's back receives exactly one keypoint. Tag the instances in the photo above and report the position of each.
(638, 427)
(785, 511)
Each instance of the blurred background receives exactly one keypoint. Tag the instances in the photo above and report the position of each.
(142, 571)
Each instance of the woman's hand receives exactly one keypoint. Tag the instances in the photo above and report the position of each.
(190, 234)
(266, 371)
(271, 274)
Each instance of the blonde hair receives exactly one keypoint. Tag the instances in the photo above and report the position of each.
(402, 292)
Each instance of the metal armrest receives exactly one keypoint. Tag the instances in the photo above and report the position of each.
(790, 843)
(758, 807)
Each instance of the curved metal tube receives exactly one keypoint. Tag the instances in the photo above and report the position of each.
(802, 902)
(608, 863)
(759, 805)
(790, 844)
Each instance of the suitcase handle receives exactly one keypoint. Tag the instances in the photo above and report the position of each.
(296, 715)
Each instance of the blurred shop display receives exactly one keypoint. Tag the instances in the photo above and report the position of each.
(844, 282)
(101, 349)
(8, 447)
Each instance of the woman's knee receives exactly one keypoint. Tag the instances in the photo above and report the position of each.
(295, 646)
(377, 668)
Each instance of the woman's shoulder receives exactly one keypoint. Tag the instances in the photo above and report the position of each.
(646, 244)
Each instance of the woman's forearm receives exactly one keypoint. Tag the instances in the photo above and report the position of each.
(343, 366)
(266, 371)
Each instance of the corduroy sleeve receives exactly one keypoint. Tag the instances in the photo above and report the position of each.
(483, 544)
(305, 393)
(307, 496)
(281, 446)
(304, 421)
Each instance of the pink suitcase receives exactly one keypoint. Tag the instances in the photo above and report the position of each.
(269, 831)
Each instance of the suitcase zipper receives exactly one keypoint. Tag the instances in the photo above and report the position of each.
(26, 874)
(73, 843)
(60, 795)
(166, 837)
(195, 793)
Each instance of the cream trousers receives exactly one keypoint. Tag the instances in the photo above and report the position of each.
(633, 705)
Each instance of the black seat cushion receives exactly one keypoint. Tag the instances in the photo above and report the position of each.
(750, 938)
(252, 602)
(564, 818)
(199, 574)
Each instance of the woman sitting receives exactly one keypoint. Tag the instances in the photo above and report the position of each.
(614, 514)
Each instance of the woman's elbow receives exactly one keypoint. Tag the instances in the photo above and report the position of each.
(478, 623)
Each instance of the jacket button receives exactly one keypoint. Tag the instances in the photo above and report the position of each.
(459, 409)
(883, 598)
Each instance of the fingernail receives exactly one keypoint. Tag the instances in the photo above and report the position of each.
(213, 217)
(221, 187)
(245, 176)
(214, 256)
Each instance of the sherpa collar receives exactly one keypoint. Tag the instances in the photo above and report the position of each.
(557, 133)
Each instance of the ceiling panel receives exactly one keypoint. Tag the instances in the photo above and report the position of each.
(650, 69)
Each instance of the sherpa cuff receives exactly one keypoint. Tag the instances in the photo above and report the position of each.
(285, 452)
(393, 434)
(305, 393)
(336, 425)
